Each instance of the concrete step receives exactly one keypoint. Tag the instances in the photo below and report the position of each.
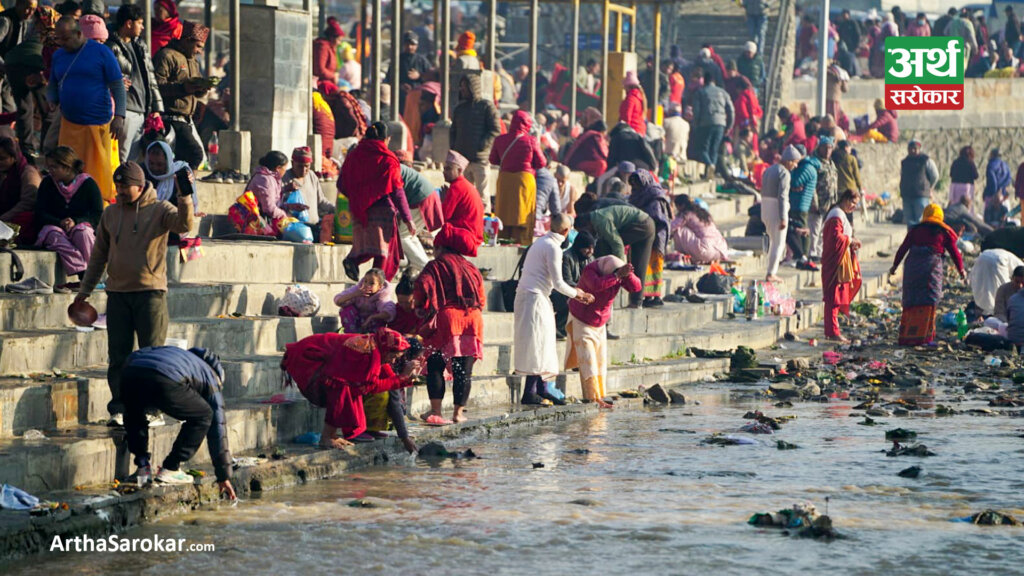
(87, 455)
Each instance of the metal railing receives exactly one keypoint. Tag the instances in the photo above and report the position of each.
(777, 67)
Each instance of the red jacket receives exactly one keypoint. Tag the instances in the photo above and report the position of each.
(795, 134)
(589, 154)
(463, 228)
(325, 60)
(632, 111)
(604, 290)
(525, 155)
(747, 109)
(676, 87)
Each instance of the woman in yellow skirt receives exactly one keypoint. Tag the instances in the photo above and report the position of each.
(518, 156)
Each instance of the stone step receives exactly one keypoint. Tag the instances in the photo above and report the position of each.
(88, 455)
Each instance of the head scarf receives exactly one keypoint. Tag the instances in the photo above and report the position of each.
(625, 167)
(165, 30)
(46, 25)
(164, 182)
(388, 341)
(194, 31)
(333, 29)
(94, 28)
(933, 215)
(466, 42)
(608, 264)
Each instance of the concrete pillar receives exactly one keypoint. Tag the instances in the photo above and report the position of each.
(604, 60)
(534, 9)
(147, 10)
(656, 51)
(396, 52)
(442, 46)
(208, 22)
(823, 57)
(492, 33)
(376, 47)
(574, 60)
(618, 63)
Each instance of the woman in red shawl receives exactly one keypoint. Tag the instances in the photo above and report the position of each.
(449, 295)
(166, 24)
(590, 152)
(840, 268)
(372, 181)
(19, 185)
(335, 371)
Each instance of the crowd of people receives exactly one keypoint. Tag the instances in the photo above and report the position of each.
(858, 45)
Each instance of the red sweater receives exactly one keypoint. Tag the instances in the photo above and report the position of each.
(517, 151)
(463, 228)
(604, 289)
(632, 112)
(325, 60)
(589, 154)
(937, 238)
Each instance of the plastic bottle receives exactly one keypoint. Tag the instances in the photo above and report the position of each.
(750, 303)
(143, 476)
(961, 324)
(213, 150)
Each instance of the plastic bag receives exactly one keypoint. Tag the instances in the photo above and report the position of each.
(298, 301)
(292, 203)
(297, 232)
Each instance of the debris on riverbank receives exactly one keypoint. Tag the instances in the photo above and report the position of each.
(801, 520)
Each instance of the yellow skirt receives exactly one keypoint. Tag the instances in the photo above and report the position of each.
(95, 147)
(516, 202)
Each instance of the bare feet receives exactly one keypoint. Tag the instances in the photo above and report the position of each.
(338, 443)
(838, 339)
(605, 405)
(773, 279)
(458, 415)
(430, 413)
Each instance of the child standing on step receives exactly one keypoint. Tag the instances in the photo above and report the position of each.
(368, 305)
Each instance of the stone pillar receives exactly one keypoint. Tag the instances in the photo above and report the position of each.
(618, 64)
(235, 151)
(276, 57)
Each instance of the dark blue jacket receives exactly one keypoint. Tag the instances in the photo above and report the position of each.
(188, 368)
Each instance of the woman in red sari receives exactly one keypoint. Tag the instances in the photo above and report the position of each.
(372, 181)
(335, 371)
(840, 268)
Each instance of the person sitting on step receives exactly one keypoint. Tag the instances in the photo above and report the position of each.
(367, 305)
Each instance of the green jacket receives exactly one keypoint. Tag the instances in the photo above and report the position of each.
(608, 221)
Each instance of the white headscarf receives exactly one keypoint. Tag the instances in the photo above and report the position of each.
(165, 182)
(609, 264)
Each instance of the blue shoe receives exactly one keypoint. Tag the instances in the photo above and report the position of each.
(549, 391)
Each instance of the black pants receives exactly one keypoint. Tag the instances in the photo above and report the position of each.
(132, 315)
(639, 237)
(396, 412)
(147, 390)
(561, 305)
(187, 147)
(798, 244)
(30, 102)
(462, 377)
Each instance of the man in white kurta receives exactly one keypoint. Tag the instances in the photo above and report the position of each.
(534, 350)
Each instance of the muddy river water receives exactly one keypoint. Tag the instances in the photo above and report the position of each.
(650, 498)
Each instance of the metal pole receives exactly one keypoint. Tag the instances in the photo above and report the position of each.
(147, 10)
(574, 61)
(492, 34)
(618, 31)
(375, 50)
(307, 5)
(396, 54)
(361, 43)
(534, 9)
(437, 32)
(236, 64)
(823, 58)
(657, 60)
(632, 28)
(322, 15)
(446, 68)
(208, 22)
(604, 59)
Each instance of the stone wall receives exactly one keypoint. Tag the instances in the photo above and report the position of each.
(882, 161)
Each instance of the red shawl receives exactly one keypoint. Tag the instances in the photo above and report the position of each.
(334, 371)
(370, 172)
(449, 280)
(835, 245)
(10, 187)
(166, 30)
(463, 210)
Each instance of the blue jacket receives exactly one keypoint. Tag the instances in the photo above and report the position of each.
(188, 368)
(803, 184)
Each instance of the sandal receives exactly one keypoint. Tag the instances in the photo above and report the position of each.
(435, 420)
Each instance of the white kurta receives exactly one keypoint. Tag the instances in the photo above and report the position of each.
(534, 348)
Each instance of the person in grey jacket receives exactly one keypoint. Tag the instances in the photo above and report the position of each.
(775, 208)
(549, 202)
(713, 116)
(143, 97)
(475, 125)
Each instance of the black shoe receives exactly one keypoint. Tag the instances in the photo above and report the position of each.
(531, 400)
(647, 302)
(561, 335)
(653, 302)
(351, 269)
(807, 265)
(611, 336)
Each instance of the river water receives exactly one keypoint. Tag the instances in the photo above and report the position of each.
(660, 502)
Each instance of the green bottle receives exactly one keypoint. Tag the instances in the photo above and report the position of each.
(961, 324)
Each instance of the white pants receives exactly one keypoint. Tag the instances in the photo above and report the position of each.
(815, 221)
(479, 176)
(534, 350)
(414, 252)
(776, 238)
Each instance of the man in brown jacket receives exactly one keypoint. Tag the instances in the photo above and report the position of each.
(181, 84)
(131, 245)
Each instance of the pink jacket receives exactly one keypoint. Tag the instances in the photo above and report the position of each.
(381, 301)
(604, 289)
(703, 242)
(265, 185)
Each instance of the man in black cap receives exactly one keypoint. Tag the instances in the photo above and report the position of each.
(185, 384)
(412, 67)
(131, 245)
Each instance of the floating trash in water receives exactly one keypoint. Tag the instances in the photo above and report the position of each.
(912, 472)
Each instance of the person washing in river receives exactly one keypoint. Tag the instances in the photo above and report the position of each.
(367, 305)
